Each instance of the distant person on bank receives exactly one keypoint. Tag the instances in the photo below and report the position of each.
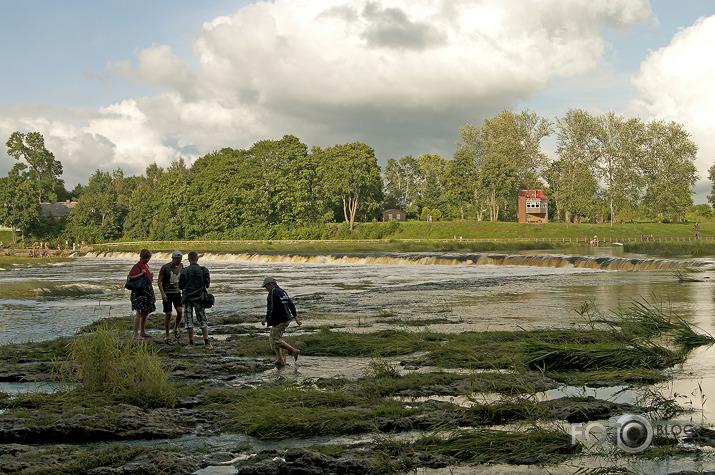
(143, 300)
(279, 314)
(171, 294)
(193, 281)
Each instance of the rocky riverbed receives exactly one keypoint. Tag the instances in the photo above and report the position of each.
(235, 412)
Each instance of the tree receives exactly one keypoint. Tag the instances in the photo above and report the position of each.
(573, 177)
(461, 181)
(308, 202)
(170, 202)
(669, 169)
(471, 149)
(352, 175)
(619, 151)
(226, 189)
(517, 137)
(44, 170)
(139, 222)
(97, 215)
(513, 140)
(275, 159)
(400, 178)
(499, 178)
(430, 181)
(19, 208)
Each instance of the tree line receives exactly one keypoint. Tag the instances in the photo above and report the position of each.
(602, 163)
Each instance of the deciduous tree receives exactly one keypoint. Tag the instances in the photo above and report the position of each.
(351, 174)
(669, 169)
(42, 167)
(19, 208)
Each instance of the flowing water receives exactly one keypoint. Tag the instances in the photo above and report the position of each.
(367, 293)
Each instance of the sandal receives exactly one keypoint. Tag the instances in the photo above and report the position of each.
(177, 335)
(168, 341)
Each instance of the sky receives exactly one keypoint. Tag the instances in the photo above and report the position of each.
(125, 84)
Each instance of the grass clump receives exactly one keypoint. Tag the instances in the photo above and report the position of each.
(286, 409)
(103, 364)
(481, 445)
(559, 357)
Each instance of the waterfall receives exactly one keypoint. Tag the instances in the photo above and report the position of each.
(420, 259)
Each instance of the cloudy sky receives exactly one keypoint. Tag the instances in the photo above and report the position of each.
(114, 84)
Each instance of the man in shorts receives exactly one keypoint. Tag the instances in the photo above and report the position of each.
(279, 314)
(193, 282)
(170, 293)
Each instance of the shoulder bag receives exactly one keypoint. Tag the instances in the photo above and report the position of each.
(137, 284)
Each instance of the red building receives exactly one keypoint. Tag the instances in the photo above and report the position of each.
(533, 206)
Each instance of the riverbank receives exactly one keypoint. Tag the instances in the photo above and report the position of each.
(418, 399)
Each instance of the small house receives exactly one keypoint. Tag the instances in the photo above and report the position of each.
(533, 206)
(56, 210)
(396, 214)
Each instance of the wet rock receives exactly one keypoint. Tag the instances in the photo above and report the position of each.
(163, 462)
(187, 402)
(264, 467)
(350, 466)
(124, 422)
(218, 458)
(306, 458)
(427, 460)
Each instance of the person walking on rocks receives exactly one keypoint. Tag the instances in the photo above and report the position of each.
(280, 312)
(171, 294)
(193, 281)
(143, 300)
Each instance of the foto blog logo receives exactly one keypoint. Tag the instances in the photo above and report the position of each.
(631, 433)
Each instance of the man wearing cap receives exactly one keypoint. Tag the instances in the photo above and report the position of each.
(193, 282)
(170, 293)
(279, 314)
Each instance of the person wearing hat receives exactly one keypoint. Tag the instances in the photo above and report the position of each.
(279, 314)
(170, 293)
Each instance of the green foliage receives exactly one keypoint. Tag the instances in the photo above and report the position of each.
(19, 207)
(669, 169)
(101, 364)
(702, 211)
(99, 215)
(38, 164)
(351, 176)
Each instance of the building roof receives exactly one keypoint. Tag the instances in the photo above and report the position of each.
(57, 209)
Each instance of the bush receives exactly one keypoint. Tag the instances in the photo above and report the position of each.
(102, 364)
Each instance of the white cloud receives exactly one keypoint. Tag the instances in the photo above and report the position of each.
(676, 84)
(401, 76)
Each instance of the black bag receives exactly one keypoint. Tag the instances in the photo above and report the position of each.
(207, 301)
(138, 284)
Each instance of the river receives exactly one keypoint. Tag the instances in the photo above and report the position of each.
(448, 292)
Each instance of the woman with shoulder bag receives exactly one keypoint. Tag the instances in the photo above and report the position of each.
(143, 299)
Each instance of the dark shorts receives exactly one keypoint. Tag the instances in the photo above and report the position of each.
(174, 299)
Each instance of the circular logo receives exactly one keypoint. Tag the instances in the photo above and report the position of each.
(633, 433)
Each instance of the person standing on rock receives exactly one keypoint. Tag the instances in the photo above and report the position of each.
(143, 300)
(278, 315)
(170, 293)
(193, 281)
